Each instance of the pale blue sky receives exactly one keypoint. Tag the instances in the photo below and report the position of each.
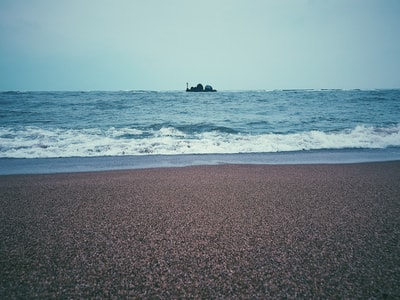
(233, 45)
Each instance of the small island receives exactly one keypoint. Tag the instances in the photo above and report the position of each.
(199, 88)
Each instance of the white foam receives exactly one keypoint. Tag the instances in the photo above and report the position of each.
(34, 142)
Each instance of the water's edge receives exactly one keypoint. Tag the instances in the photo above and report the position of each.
(13, 166)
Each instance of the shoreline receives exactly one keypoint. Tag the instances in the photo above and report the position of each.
(10, 166)
(226, 231)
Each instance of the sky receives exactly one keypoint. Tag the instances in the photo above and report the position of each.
(230, 44)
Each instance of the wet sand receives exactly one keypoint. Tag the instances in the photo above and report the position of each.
(228, 231)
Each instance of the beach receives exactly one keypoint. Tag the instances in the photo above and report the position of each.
(225, 231)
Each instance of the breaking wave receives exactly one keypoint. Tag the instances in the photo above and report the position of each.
(35, 142)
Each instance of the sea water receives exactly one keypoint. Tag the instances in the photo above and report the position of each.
(150, 126)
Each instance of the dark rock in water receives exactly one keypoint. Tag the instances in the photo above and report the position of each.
(200, 88)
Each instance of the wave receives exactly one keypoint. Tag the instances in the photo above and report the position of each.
(35, 142)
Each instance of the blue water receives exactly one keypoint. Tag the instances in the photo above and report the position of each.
(143, 123)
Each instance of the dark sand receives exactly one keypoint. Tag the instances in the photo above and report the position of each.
(311, 231)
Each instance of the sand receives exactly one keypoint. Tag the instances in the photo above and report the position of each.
(228, 231)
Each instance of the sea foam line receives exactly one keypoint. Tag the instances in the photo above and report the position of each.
(34, 142)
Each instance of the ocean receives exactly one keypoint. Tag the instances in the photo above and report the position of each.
(127, 129)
